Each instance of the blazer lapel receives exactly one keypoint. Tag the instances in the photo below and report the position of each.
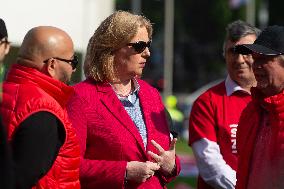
(113, 104)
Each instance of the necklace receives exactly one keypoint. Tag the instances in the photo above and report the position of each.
(124, 95)
(123, 91)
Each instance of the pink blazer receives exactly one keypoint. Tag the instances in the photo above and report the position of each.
(109, 138)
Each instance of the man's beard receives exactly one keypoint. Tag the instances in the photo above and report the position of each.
(65, 78)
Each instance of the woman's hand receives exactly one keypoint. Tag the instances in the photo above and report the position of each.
(166, 159)
(140, 171)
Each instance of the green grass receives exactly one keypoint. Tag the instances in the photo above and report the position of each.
(188, 181)
(182, 147)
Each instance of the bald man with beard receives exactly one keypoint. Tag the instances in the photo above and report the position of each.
(45, 147)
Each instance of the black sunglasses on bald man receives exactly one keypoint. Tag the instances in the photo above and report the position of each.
(73, 62)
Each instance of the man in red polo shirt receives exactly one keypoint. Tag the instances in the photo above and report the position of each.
(215, 114)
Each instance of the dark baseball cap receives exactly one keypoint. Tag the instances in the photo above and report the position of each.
(3, 29)
(270, 42)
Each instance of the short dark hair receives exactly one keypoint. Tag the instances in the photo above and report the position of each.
(3, 29)
(238, 29)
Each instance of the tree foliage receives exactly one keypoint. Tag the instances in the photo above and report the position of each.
(198, 39)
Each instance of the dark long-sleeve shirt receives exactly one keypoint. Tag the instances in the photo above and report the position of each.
(6, 171)
(35, 146)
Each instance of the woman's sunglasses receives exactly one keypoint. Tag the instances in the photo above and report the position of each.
(140, 46)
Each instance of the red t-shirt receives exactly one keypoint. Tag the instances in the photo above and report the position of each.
(215, 116)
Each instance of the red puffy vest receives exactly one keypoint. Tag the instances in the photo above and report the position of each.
(27, 91)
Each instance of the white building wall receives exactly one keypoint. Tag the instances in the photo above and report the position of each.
(79, 18)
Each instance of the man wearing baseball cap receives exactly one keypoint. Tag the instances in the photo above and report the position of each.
(260, 134)
(4, 47)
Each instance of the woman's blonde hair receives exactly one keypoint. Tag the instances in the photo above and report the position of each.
(113, 33)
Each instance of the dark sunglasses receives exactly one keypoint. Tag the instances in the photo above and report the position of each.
(5, 41)
(140, 46)
(239, 49)
(232, 50)
(73, 62)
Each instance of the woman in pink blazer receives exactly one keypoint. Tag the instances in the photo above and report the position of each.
(120, 119)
